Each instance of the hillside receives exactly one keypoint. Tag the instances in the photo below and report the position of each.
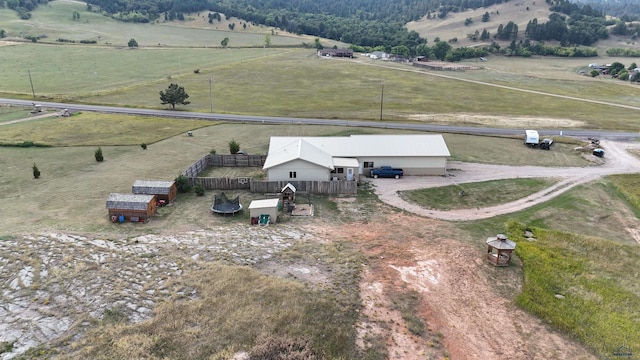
(452, 26)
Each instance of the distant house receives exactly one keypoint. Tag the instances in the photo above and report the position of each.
(163, 190)
(131, 207)
(347, 158)
(336, 52)
(379, 55)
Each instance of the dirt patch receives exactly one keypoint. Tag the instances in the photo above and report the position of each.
(497, 121)
(9, 43)
(466, 304)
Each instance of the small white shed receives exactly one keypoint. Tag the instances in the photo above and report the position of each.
(264, 207)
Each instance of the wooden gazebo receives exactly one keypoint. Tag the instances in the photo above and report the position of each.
(499, 250)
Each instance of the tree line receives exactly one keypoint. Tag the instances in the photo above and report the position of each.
(369, 23)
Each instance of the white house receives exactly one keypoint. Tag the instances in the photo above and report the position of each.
(346, 158)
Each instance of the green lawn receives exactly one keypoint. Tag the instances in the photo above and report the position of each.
(595, 279)
(97, 129)
(472, 195)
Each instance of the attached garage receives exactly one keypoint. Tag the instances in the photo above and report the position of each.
(131, 207)
(163, 190)
(344, 158)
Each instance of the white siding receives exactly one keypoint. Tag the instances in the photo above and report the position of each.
(414, 165)
(304, 170)
(271, 211)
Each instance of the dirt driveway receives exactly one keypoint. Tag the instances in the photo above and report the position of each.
(467, 306)
(617, 161)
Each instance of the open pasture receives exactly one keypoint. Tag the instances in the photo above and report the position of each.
(55, 20)
(301, 85)
(294, 82)
(73, 71)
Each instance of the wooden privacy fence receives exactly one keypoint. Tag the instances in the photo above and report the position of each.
(222, 161)
(258, 186)
(195, 169)
(221, 183)
(311, 187)
(237, 160)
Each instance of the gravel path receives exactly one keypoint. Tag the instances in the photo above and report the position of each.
(617, 161)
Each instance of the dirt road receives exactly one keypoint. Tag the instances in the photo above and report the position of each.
(617, 161)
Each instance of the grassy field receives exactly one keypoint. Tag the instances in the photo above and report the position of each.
(88, 129)
(169, 152)
(481, 194)
(300, 85)
(10, 113)
(55, 20)
(600, 298)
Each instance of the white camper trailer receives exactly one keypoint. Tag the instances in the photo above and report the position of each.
(531, 138)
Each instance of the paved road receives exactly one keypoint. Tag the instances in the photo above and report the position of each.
(311, 121)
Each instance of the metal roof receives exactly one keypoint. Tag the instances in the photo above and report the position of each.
(128, 201)
(501, 242)
(292, 148)
(371, 145)
(346, 162)
(288, 186)
(265, 203)
(152, 187)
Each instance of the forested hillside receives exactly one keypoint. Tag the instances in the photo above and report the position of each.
(377, 23)
(627, 10)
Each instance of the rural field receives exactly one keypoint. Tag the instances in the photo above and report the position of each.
(362, 278)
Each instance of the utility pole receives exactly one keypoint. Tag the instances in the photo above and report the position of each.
(381, 99)
(210, 94)
(31, 82)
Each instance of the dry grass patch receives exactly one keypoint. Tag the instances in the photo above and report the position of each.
(230, 310)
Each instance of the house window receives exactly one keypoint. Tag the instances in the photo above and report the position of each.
(340, 170)
(292, 174)
(368, 164)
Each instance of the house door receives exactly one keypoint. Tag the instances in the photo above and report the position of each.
(349, 174)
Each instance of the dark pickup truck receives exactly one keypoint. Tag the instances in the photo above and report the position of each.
(387, 172)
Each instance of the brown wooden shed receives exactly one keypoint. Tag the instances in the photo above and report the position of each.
(131, 207)
(499, 250)
(163, 190)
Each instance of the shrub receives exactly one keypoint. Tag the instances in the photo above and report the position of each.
(199, 189)
(98, 155)
(234, 147)
(212, 151)
(285, 348)
(36, 172)
(182, 182)
(143, 146)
